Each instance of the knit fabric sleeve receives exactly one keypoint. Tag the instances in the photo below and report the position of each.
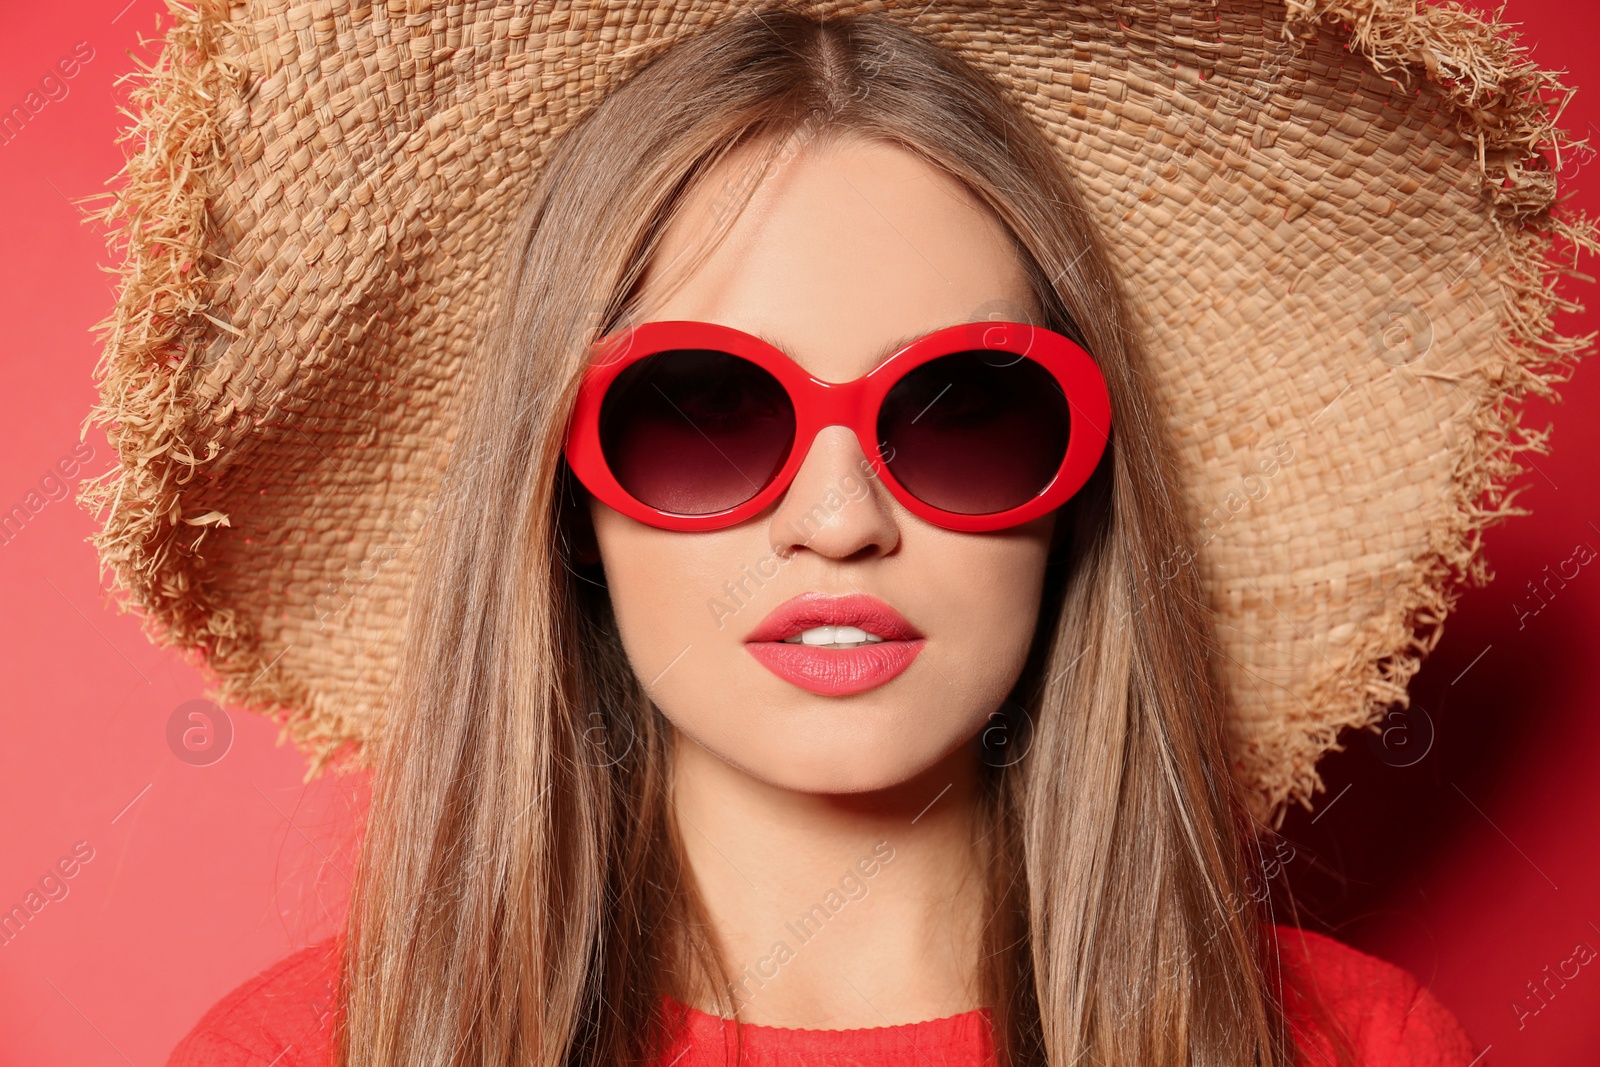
(1386, 1017)
(282, 1017)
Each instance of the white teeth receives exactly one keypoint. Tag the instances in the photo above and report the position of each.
(833, 637)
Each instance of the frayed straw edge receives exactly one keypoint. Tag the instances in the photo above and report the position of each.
(1504, 100)
(153, 340)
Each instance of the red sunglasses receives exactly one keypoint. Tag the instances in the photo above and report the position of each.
(976, 427)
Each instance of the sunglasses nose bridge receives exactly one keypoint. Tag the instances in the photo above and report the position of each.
(847, 404)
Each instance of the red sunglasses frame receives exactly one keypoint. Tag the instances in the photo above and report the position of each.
(854, 405)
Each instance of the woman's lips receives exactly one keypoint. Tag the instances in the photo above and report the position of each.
(835, 671)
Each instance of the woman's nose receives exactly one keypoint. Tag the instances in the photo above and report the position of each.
(835, 506)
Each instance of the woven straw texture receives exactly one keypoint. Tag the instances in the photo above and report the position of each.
(1337, 218)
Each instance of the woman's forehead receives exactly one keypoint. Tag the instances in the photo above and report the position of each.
(846, 250)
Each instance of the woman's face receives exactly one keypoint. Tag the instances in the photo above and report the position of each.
(846, 249)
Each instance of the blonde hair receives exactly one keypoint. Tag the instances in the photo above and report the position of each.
(520, 898)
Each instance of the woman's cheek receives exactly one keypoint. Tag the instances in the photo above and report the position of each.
(663, 587)
(989, 608)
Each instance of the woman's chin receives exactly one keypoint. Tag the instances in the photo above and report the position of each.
(859, 765)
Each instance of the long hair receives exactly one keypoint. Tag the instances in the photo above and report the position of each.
(521, 896)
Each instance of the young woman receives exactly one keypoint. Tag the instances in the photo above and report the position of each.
(820, 647)
(788, 648)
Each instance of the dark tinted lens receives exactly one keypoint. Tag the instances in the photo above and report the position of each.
(975, 432)
(693, 431)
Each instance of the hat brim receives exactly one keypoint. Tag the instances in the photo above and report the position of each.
(1338, 218)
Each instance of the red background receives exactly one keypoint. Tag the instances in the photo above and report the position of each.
(1475, 868)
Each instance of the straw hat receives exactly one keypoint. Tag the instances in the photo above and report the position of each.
(1337, 218)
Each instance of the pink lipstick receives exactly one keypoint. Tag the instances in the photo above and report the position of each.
(801, 643)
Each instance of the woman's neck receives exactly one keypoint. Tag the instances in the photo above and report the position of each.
(836, 912)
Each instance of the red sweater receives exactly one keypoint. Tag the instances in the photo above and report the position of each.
(283, 1017)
